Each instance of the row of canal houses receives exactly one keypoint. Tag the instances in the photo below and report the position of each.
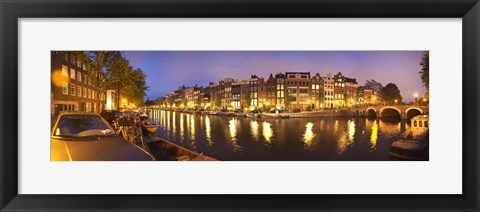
(289, 90)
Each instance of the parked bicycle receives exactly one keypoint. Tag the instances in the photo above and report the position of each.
(129, 127)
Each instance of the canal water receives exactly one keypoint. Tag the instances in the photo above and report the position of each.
(293, 139)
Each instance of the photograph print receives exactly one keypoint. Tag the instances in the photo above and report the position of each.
(239, 106)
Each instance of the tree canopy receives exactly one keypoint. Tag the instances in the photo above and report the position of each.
(373, 85)
(425, 69)
(110, 70)
(390, 93)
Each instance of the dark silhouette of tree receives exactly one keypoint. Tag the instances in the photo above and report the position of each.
(390, 93)
(373, 85)
(425, 69)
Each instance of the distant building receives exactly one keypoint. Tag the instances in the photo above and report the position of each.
(245, 94)
(328, 90)
(368, 97)
(360, 95)
(262, 93)
(351, 91)
(317, 92)
(213, 94)
(227, 86)
(236, 95)
(339, 90)
(280, 91)
(253, 82)
(270, 94)
(298, 89)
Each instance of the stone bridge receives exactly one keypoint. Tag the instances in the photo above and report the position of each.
(393, 111)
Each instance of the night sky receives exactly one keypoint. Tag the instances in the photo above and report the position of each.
(166, 70)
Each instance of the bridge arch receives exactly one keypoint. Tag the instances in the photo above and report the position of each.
(371, 112)
(412, 112)
(390, 112)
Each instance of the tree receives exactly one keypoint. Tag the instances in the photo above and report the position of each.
(373, 85)
(110, 70)
(149, 102)
(117, 73)
(390, 93)
(424, 72)
(95, 63)
(136, 86)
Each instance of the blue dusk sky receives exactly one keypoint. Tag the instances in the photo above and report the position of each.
(166, 70)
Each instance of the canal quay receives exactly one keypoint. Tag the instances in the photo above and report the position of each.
(229, 138)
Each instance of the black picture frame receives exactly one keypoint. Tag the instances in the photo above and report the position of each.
(11, 11)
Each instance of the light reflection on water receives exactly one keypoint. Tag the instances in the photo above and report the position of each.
(233, 135)
(374, 136)
(308, 135)
(254, 129)
(234, 138)
(267, 132)
(208, 130)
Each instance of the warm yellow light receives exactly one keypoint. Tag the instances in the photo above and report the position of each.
(232, 129)
(267, 131)
(396, 101)
(124, 101)
(254, 129)
(309, 135)
(416, 95)
(424, 99)
(374, 136)
(351, 130)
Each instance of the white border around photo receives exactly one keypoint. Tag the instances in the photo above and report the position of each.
(442, 174)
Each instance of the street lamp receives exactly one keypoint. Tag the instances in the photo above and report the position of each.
(416, 96)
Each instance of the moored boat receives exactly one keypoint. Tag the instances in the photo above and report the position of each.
(272, 116)
(166, 150)
(224, 113)
(239, 114)
(149, 126)
(414, 145)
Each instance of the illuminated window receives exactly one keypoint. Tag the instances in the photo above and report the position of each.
(414, 123)
(79, 76)
(65, 70)
(65, 88)
(89, 94)
(72, 73)
(79, 91)
(72, 89)
(84, 92)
